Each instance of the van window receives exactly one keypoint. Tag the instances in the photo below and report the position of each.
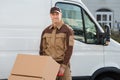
(83, 26)
(90, 29)
(72, 16)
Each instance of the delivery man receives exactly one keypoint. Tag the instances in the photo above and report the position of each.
(57, 41)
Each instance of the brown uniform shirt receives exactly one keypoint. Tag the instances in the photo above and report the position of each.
(57, 43)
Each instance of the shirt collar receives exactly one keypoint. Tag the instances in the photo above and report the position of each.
(58, 27)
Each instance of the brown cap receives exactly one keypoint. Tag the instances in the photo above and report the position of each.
(55, 10)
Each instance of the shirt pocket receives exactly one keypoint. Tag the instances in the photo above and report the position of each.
(48, 38)
(60, 40)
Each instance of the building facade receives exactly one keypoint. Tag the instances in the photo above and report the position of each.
(105, 12)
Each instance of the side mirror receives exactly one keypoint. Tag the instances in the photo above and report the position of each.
(107, 35)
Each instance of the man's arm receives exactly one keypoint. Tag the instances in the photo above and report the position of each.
(42, 44)
(69, 45)
(68, 52)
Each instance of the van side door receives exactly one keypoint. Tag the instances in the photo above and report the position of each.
(88, 55)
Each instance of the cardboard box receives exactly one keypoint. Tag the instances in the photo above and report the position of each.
(34, 67)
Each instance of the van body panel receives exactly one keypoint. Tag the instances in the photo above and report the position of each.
(112, 54)
(86, 59)
(21, 25)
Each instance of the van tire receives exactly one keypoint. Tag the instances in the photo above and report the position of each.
(108, 76)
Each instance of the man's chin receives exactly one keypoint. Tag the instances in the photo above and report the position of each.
(55, 22)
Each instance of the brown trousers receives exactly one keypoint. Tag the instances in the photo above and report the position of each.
(67, 75)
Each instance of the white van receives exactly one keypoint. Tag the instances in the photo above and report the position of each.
(21, 24)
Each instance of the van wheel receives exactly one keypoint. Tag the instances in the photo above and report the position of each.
(108, 76)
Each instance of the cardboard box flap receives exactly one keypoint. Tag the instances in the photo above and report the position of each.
(13, 77)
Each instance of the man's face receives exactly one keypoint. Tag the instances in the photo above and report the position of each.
(56, 17)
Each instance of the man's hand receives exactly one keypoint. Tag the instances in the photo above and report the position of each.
(61, 71)
(107, 43)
